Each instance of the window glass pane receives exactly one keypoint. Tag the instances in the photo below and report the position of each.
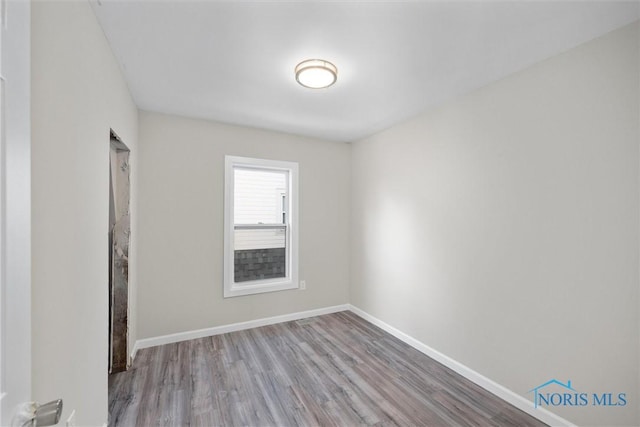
(260, 238)
(258, 196)
(260, 253)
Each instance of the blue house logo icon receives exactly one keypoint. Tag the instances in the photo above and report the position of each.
(540, 398)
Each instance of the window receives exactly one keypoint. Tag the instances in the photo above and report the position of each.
(261, 226)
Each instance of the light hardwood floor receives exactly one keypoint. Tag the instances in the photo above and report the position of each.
(336, 369)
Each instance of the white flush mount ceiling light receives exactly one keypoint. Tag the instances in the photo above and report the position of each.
(316, 73)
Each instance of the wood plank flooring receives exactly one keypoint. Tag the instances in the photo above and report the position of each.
(332, 370)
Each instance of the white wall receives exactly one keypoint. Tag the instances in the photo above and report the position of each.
(78, 94)
(502, 229)
(181, 237)
(15, 215)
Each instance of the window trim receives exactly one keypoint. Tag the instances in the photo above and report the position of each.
(232, 289)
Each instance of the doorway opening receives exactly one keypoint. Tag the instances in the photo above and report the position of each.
(119, 238)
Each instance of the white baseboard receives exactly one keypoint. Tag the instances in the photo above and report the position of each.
(491, 386)
(133, 352)
(217, 330)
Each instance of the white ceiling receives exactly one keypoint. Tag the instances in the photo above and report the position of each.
(233, 61)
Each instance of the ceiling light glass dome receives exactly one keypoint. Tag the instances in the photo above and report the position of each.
(316, 73)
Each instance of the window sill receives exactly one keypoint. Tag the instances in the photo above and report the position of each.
(259, 287)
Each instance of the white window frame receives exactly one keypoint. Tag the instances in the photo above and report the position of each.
(290, 281)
